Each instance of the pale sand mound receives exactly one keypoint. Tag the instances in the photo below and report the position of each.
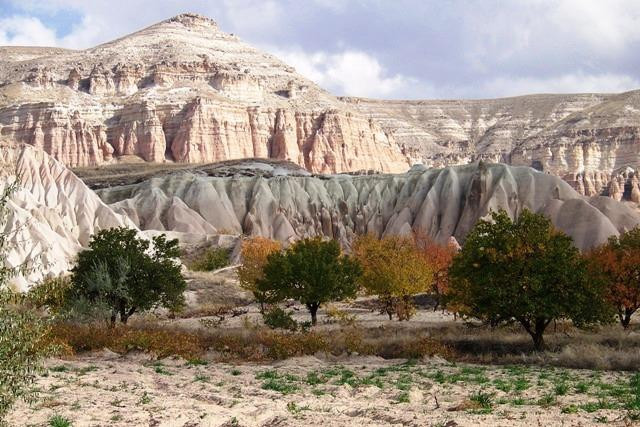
(443, 202)
(52, 215)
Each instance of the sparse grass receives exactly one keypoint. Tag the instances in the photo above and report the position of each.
(402, 398)
(547, 400)
(483, 400)
(273, 380)
(211, 259)
(145, 399)
(201, 378)
(561, 389)
(59, 421)
(295, 409)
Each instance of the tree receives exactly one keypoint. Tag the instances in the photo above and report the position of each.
(619, 263)
(128, 274)
(311, 271)
(439, 257)
(255, 252)
(527, 271)
(395, 270)
(22, 333)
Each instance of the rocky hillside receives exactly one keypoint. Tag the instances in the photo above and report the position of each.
(51, 216)
(184, 91)
(592, 141)
(267, 200)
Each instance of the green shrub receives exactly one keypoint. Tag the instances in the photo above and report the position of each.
(210, 260)
(277, 318)
(59, 421)
(22, 332)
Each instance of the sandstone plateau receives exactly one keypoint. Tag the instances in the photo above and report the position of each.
(181, 91)
(184, 91)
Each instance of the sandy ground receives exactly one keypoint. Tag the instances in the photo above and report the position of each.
(108, 390)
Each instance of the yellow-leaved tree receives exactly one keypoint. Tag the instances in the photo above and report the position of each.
(255, 252)
(395, 270)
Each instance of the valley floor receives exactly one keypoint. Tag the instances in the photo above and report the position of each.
(108, 389)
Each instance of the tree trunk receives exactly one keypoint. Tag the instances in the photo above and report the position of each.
(313, 309)
(536, 331)
(625, 317)
(538, 340)
(113, 318)
(124, 314)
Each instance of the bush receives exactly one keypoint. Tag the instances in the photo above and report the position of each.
(22, 347)
(161, 342)
(277, 318)
(211, 259)
(22, 332)
(128, 274)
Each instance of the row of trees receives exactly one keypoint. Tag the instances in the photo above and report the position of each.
(522, 270)
(315, 271)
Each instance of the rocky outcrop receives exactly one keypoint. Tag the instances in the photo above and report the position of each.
(590, 140)
(183, 91)
(288, 205)
(52, 215)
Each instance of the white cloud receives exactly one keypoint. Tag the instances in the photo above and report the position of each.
(350, 72)
(26, 31)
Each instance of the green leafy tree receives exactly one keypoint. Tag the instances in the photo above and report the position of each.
(128, 274)
(527, 271)
(311, 271)
(23, 335)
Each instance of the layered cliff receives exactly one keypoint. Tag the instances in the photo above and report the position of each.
(590, 140)
(52, 215)
(284, 204)
(182, 91)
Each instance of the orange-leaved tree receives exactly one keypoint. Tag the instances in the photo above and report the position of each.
(439, 256)
(255, 252)
(619, 263)
(394, 269)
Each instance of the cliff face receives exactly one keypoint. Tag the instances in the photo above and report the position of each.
(181, 91)
(287, 205)
(590, 140)
(184, 91)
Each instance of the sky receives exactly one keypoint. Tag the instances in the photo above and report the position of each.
(394, 49)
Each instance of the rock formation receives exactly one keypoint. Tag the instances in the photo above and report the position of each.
(286, 205)
(590, 140)
(183, 91)
(51, 216)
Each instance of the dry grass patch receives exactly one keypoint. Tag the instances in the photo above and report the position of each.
(243, 344)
